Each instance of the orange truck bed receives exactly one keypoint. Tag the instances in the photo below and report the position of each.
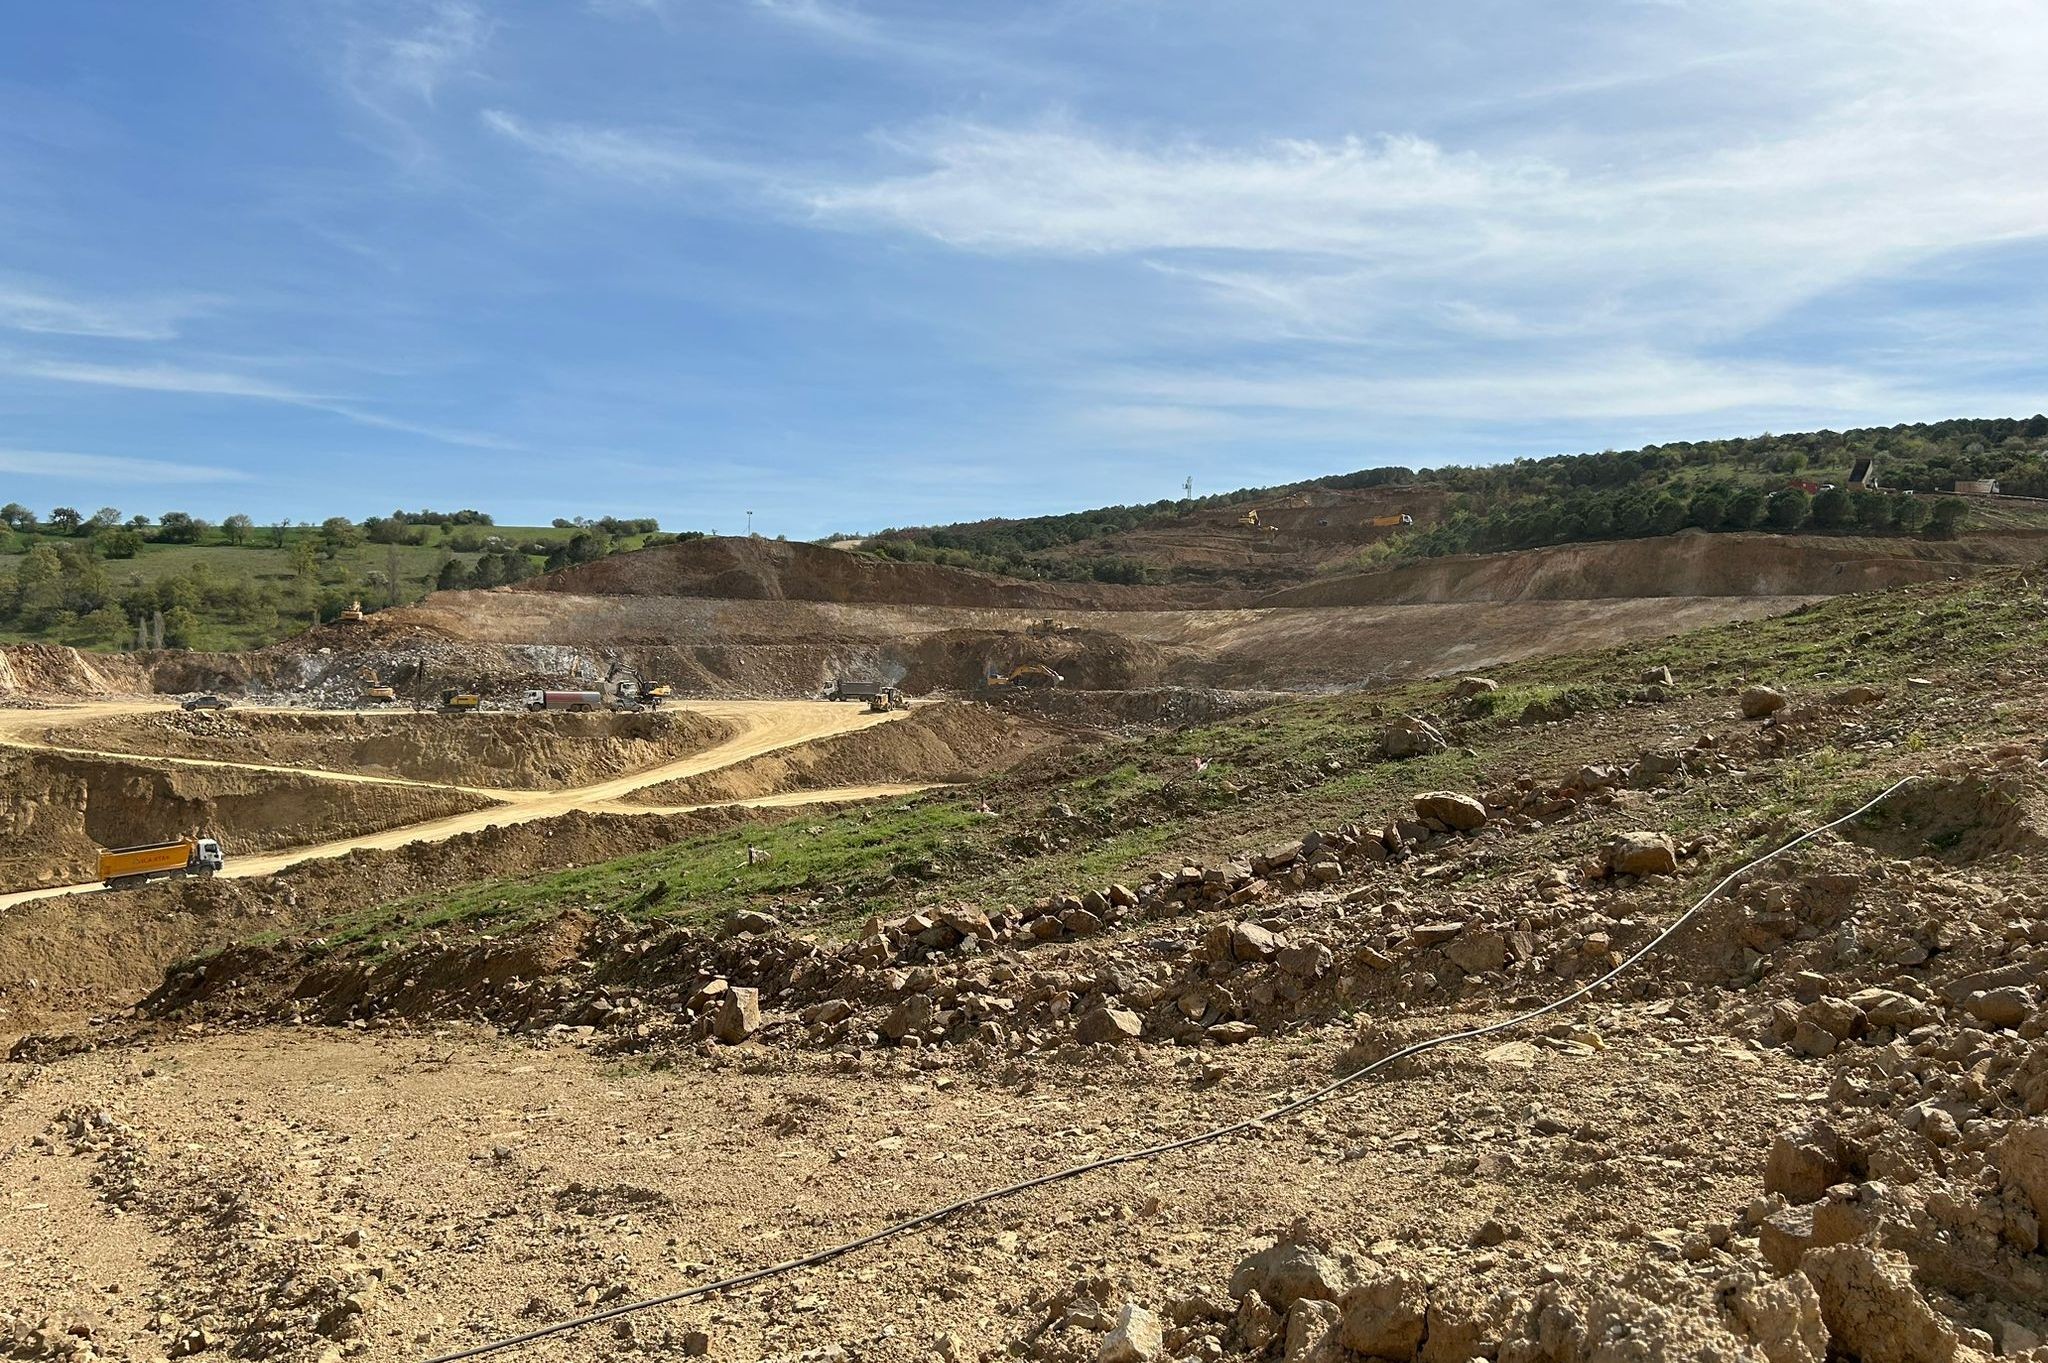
(155, 859)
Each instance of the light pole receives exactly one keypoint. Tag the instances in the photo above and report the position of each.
(750, 525)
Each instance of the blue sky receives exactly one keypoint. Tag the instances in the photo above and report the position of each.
(849, 265)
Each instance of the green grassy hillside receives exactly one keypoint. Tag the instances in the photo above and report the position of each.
(226, 588)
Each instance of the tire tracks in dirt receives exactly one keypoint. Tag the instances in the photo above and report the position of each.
(759, 727)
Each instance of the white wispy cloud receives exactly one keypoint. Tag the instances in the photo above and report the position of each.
(25, 307)
(169, 378)
(68, 464)
(630, 155)
(396, 72)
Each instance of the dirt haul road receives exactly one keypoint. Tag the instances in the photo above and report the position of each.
(759, 726)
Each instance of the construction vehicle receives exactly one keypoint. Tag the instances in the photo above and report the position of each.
(1024, 674)
(121, 868)
(847, 688)
(656, 694)
(887, 699)
(576, 701)
(374, 692)
(457, 702)
(1390, 521)
(352, 616)
(1250, 519)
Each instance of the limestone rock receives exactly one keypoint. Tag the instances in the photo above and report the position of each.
(739, 1015)
(1250, 942)
(1135, 1338)
(1804, 1163)
(2006, 1007)
(1290, 1271)
(1411, 737)
(1451, 809)
(1478, 952)
(1758, 701)
(1109, 1026)
(1641, 854)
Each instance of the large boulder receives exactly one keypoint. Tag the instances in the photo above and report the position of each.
(1641, 854)
(1292, 1270)
(1476, 953)
(1451, 809)
(1109, 1026)
(1759, 701)
(1874, 1314)
(739, 1015)
(1412, 737)
(1250, 942)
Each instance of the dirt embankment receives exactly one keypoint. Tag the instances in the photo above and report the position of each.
(35, 670)
(99, 952)
(1693, 564)
(955, 741)
(544, 751)
(56, 810)
(773, 570)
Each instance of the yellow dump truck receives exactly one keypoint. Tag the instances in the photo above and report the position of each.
(123, 867)
(1389, 521)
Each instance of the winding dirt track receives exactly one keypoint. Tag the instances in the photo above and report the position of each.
(760, 726)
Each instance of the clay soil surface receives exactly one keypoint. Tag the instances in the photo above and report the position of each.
(463, 1186)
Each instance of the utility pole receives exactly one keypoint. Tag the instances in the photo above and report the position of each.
(1187, 489)
(750, 525)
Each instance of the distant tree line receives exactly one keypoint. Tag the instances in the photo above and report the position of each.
(1526, 520)
(1656, 490)
(60, 586)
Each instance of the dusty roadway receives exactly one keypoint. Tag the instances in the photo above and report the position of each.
(760, 726)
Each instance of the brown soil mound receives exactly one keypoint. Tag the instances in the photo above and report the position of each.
(56, 809)
(542, 751)
(773, 570)
(955, 741)
(1692, 564)
(1960, 820)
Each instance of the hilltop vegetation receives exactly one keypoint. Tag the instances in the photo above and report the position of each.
(105, 582)
(1736, 484)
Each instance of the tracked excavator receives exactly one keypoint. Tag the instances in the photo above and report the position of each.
(1024, 674)
(374, 691)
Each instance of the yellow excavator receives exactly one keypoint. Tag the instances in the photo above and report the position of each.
(374, 691)
(1024, 674)
(352, 616)
(458, 702)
